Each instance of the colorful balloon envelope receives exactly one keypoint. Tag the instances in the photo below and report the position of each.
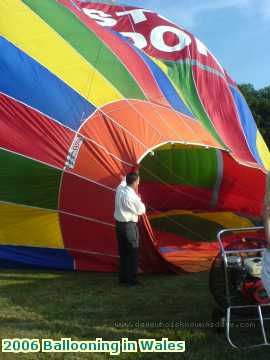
(88, 90)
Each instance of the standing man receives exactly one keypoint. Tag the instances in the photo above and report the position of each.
(128, 206)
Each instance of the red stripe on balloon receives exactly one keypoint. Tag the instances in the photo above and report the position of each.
(242, 189)
(27, 132)
(175, 196)
(85, 236)
(218, 102)
(85, 198)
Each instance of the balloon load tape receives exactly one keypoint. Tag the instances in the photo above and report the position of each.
(73, 152)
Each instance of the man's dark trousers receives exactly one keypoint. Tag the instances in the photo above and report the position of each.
(127, 234)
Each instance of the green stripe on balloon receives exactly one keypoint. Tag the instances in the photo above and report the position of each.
(88, 45)
(181, 75)
(25, 181)
(191, 166)
(190, 227)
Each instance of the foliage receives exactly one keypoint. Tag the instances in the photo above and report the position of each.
(259, 103)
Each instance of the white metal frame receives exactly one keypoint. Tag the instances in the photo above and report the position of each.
(230, 308)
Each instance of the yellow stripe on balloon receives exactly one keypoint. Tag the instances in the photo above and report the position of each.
(28, 226)
(226, 219)
(170, 213)
(263, 151)
(31, 34)
(163, 67)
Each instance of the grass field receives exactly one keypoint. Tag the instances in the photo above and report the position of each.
(84, 306)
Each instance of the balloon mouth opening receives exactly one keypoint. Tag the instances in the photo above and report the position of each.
(174, 185)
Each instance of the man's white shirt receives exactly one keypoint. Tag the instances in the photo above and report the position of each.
(128, 205)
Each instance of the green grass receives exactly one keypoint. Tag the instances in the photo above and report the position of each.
(83, 306)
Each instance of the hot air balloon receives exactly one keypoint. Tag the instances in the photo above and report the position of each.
(90, 90)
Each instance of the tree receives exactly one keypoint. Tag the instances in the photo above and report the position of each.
(259, 103)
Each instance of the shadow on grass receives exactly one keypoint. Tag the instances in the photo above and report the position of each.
(98, 300)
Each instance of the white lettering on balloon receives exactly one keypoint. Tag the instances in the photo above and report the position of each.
(157, 38)
(201, 47)
(138, 39)
(156, 35)
(100, 17)
(137, 15)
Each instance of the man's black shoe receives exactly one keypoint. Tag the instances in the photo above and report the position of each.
(122, 282)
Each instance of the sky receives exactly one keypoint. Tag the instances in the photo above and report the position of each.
(236, 31)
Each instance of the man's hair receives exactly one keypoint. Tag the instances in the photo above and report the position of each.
(131, 178)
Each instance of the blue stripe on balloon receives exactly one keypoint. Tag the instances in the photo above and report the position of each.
(166, 86)
(35, 257)
(247, 121)
(162, 80)
(25, 80)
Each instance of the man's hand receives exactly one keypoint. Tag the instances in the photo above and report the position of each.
(135, 169)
